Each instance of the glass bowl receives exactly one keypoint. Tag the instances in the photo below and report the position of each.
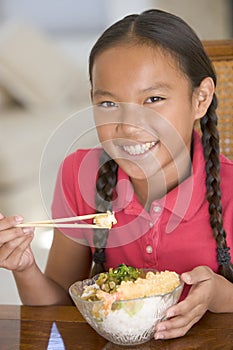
(129, 322)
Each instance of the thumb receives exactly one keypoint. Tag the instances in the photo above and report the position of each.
(187, 277)
(197, 275)
(1, 216)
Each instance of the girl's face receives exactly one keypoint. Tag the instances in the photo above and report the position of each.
(143, 107)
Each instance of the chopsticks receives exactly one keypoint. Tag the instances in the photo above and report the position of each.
(33, 224)
(101, 221)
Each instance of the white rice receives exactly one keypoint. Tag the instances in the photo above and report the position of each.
(120, 324)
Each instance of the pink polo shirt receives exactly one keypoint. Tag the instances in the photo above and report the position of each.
(174, 235)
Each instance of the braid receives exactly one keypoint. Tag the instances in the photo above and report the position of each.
(210, 142)
(106, 181)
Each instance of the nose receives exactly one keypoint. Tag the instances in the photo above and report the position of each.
(131, 118)
(128, 129)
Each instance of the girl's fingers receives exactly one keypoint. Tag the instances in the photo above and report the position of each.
(13, 233)
(13, 241)
(6, 223)
(12, 248)
(185, 307)
(7, 230)
(11, 254)
(178, 325)
(179, 328)
(15, 258)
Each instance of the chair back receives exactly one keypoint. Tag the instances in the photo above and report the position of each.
(221, 54)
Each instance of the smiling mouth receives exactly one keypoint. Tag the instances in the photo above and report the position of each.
(138, 148)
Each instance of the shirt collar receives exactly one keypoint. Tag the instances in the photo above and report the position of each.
(126, 198)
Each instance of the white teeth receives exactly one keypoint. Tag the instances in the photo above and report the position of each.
(139, 148)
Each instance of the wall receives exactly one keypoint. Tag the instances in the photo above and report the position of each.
(211, 19)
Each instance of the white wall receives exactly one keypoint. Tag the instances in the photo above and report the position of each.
(120, 8)
(58, 16)
(211, 19)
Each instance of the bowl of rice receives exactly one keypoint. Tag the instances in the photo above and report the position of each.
(124, 304)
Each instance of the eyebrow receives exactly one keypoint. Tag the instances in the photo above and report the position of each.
(103, 93)
(157, 86)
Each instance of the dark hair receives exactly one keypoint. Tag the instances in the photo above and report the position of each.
(105, 184)
(170, 33)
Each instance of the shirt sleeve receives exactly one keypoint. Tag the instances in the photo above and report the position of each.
(74, 192)
(64, 202)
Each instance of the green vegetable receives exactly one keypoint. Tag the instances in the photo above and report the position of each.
(108, 281)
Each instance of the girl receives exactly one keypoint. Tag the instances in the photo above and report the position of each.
(150, 81)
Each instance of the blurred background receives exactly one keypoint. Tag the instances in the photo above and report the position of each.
(44, 48)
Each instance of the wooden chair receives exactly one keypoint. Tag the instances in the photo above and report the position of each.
(221, 54)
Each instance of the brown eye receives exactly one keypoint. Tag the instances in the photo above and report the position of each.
(153, 99)
(107, 104)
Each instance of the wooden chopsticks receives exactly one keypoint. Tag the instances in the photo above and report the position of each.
(101, 221)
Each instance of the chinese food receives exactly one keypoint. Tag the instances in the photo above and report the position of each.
(126, 283)
(125, 304)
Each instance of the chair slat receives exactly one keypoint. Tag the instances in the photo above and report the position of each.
(221, 54)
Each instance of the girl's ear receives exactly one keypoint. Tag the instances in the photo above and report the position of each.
(203, 97)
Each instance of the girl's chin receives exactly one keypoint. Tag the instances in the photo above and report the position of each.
(134, 171)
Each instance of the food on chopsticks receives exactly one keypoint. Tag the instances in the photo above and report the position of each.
(127, 283)
(105, 220)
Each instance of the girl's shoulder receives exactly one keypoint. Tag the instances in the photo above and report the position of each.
(226, 166)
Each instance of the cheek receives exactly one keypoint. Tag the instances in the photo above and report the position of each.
(105, 132)
(182, 118)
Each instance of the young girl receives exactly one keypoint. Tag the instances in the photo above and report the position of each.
(170, 189)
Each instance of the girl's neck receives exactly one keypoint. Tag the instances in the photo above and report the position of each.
(157, 186)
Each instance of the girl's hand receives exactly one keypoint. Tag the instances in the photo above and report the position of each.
(185, 314)
(15, 251)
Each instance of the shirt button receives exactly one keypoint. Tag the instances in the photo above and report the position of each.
(151, 224)
(157, 209)
(149, 249)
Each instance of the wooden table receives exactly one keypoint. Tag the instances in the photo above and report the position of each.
(35, 328)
